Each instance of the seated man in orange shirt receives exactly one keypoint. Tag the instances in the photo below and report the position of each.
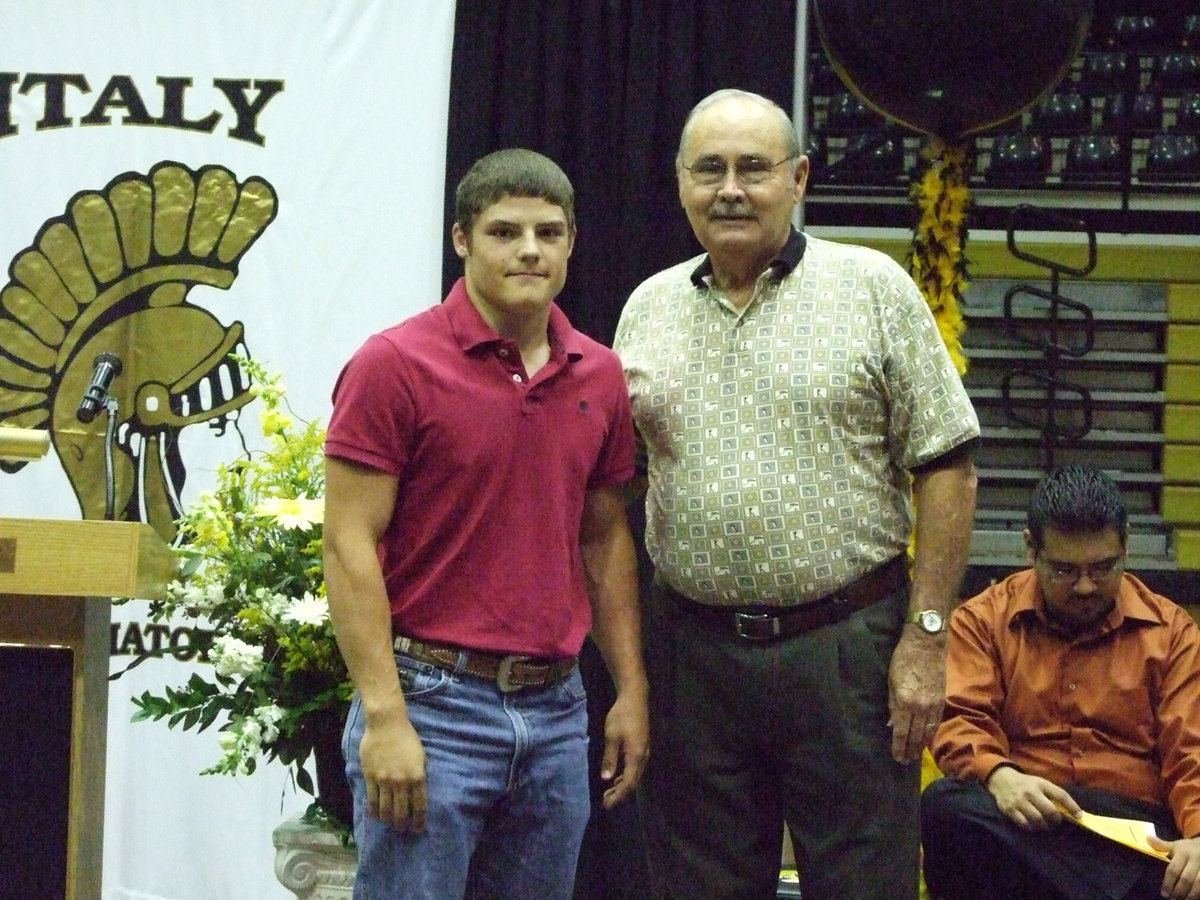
(1070, 686)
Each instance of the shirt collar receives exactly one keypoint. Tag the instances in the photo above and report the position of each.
(1130, 607)
(784, 262)
(473, 333)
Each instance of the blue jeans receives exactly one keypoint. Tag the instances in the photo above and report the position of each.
(507, 785)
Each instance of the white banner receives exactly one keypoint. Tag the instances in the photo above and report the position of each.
(253, 174)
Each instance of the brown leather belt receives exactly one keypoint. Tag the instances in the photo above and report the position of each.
(511, 673)
(768, 623)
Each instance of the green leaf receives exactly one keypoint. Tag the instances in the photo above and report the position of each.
(191, 719)
(304, 781)
(209, 715)
(189, 565)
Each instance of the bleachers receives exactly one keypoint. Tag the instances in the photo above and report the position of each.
(1064, 368)
(1067, 371)
(1125, 121)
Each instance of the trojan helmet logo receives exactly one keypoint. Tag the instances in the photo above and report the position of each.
(112, 275)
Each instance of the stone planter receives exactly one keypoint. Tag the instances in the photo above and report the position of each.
(312, 862)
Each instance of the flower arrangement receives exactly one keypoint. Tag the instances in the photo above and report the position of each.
(251, 580)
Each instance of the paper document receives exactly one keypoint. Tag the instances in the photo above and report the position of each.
(1130, 832)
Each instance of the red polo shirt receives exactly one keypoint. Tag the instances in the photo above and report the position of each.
(482, 550)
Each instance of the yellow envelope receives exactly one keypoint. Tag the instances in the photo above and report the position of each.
(1130, 832)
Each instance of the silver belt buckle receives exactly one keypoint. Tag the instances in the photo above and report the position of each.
(504, 674)
(748, 626)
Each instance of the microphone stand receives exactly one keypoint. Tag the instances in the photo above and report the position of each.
(110, 437)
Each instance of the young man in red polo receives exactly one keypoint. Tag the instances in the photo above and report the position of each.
(475, 533)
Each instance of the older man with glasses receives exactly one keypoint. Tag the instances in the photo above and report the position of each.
(793, 395)
(1071, 687)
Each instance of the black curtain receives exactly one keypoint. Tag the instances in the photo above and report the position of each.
(602, 87)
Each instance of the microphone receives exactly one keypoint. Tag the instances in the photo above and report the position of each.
(107, 367)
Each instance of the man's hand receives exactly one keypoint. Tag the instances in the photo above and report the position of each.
(1028, 801)
(1182, 879)
(393, 763)
(916, 691)
(626, 746)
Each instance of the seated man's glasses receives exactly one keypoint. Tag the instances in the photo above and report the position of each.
(1097, 573)
(711, 170)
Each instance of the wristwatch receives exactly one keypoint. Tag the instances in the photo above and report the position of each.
(930, 621)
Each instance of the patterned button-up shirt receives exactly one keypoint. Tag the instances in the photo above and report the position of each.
(780, 437)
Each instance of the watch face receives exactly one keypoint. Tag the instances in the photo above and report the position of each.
(931, 621)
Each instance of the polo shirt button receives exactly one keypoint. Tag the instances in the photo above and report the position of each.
(503, 352)
(517, 377)
(1071, 687)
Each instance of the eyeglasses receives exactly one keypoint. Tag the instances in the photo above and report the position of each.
(1097, 573)
(711, 171)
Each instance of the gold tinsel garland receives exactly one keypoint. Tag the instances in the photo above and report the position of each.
(937, 261)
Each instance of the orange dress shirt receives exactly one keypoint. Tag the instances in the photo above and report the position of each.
(1117, 708)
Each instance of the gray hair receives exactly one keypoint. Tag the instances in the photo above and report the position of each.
(786, 126)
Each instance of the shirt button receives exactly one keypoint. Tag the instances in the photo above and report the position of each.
(517, 377)
(504, 352)
(1071, 687)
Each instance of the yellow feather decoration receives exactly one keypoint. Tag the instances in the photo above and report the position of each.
(937, 261)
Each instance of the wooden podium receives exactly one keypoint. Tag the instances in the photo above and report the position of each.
(56, 581)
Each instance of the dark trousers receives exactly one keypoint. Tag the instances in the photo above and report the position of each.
(973, 852)
(747, 735)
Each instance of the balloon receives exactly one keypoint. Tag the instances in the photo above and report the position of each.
(952, 67)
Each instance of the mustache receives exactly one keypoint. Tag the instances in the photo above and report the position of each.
(728, 209)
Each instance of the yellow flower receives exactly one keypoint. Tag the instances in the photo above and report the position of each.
(275, 422)
(298, 512)
(266, 386)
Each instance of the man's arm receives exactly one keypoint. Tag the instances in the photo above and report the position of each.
(610, 564)
(945, 502)
(971, 742)
(1179, 750)
(358, 506)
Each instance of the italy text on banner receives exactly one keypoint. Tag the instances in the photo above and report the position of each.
(179, 180)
